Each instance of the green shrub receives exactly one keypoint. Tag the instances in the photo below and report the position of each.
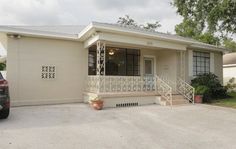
(211, 81)
(231, 85)
(201, 90)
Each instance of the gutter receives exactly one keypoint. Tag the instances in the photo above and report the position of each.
(12, 30)
(229, 65)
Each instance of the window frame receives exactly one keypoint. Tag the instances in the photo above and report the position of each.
(131, 68)
(201, 62)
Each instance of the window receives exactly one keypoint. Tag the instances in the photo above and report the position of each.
(119, 61)
(92, 61)
(122, 62)
(48, 72)
(201, 63)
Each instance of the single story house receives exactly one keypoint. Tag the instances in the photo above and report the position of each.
(229, 67)
(123, 65)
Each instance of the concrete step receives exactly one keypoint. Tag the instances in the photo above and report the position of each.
(176, 100)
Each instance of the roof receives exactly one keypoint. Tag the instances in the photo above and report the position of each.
(229, 59)
(67, 29)
(79, 32)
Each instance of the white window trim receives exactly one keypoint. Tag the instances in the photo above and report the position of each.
(190, 63)
(212, 62)
(154, 61)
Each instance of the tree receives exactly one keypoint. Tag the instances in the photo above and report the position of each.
(205, 19)
(151, 26)
(215, 15)
(126, 20)
(229, 43)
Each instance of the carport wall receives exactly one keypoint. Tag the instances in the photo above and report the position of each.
(27, 55)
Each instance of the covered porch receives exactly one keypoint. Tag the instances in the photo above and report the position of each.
(123, 69)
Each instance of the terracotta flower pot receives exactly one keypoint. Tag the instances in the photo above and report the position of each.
(97, 104)
(198, 98)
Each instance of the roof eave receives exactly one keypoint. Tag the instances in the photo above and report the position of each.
(208, 47)
(34, 33)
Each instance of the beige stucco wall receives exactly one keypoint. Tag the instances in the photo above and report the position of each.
(27, 55)
(228, 73)
(25, 59)
(3, 40)
(166, 62)
(216, 63)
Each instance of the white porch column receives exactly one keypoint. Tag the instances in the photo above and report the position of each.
(190, 63)
(212, 62)
(182, 64)
(101, 54)
(101, 58)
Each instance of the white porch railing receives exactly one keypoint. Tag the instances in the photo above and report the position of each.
(116, 84)
(181, 87)
(164, 90)
(185, 89)
(129, 84)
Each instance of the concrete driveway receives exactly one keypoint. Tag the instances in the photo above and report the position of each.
(77, 126)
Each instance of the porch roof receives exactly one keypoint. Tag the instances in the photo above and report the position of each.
(97, 28)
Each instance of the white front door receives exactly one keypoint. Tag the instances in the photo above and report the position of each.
(148, 66)
(149, 73)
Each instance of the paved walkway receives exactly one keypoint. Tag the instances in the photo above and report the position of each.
(77, 126)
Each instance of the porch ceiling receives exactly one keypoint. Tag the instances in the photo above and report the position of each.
(132, 41)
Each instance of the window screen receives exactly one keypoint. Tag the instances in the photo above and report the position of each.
(201, 63)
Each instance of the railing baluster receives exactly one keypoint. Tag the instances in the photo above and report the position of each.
(164, 90)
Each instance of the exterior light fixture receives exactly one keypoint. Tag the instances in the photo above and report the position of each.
(111, 52)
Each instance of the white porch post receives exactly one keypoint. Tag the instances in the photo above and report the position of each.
(182, 64)
(101, 58)
(101, 65)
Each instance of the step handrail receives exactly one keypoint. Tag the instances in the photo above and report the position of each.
(185, 89)
(164, 90)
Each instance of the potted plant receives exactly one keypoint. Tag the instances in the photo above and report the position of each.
(199, 92)
(96, 103)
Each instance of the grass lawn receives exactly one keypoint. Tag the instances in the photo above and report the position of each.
(228, 102)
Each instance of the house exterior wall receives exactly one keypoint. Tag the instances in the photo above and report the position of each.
(216, 64)
(3, 40)
(26, 56)
(166, 62)
(229, 73)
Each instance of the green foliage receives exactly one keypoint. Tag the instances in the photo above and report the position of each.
(231, 85)
(215, 15)
(201, 90)
(2, 66)
(230, 101)
(187, 28)
(211, 81)
(126, 20)
(208, 38)
(230, 44)
(204, 19)
(151, 26)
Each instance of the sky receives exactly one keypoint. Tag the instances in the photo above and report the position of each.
(82, 12)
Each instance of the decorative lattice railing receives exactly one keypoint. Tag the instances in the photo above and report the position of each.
(164, 89)
(185, 89)
(115, 84)
(124, 84)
